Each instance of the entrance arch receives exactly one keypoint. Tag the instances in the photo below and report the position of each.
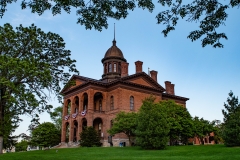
(67, 130)
(84, 123)
(97, 125)
(75, 130)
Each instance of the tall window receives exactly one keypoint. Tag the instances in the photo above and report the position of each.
(100, 105)
(131, 103)
(119, 67)
(114, 67)
(110, 67)
(69, 108)
(105, 69)
(111, 103)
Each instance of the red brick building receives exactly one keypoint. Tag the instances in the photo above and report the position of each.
(95, 103)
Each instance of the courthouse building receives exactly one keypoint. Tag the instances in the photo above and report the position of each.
(95, 103)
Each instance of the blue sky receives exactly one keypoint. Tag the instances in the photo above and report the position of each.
(205, 75)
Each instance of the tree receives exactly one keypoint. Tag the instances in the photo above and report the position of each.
(180, 122)
(231, 131)
(32, 62)
(45, 135)
(124, 123)
(218, 131)
(56, 117)
(21, 146)
(89, 138)
(201, 128)
(152, 125)
(210, 14)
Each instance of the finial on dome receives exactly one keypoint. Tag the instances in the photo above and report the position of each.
(114, 41)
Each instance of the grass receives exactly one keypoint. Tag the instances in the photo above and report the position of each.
(207, 152)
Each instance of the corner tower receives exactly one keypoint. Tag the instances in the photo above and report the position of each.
(114, 64)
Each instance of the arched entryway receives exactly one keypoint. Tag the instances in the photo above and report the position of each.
(97, 125)
(67, 132)
(84, 123)
(85, 101)
(98, 97)
(75, 130)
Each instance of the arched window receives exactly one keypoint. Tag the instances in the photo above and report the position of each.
(119, 67)
(111, 103)
(69, 107)
(114, 67)
(131, 103)
(110, 67)
(105, 69)
(111, 123)
(100, 105)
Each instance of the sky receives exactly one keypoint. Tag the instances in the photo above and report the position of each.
(204, 75)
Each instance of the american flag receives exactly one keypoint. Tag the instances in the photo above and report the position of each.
(83, 113)
(66, 117)
(74, 115)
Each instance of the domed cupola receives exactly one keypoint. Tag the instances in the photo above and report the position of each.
(114, 52)
(113, 62)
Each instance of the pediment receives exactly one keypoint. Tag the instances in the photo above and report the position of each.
(142, 81)
(74, 82)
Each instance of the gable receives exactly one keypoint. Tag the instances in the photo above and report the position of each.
(73, 82)
(141, 81)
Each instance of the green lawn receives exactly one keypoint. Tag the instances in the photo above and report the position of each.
(210, 152)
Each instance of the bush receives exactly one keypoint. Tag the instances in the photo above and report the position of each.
(89, 138)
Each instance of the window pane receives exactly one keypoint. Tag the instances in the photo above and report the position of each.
(114, 67)
(110, 68)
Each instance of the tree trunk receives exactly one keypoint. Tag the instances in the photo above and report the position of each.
(1, 144)
(129, 138)
(1, 120)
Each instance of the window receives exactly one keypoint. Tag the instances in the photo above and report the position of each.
(110, 67)
(131, 103)
(111, 103)
(114, 67)
(100, 105)
(111, 123)
(119, 67)
(105, 70)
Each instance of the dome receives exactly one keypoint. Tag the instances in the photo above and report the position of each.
(114, 51)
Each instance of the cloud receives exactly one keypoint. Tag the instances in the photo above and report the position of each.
(25, 17)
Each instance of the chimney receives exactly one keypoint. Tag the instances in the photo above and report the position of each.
(124, 69)
(169, 87)
(154, 75)
(138, 65)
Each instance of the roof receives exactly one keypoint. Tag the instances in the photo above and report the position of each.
(114, 52)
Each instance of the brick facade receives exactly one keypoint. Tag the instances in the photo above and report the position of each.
(103, 99)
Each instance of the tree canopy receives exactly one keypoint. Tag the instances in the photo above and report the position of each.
(231, 113)
(152, 125)
(201, 128)
(124, 123)
(180, 122)
(210, 14)
(45, 135)
(56, 117)
(32, 63)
